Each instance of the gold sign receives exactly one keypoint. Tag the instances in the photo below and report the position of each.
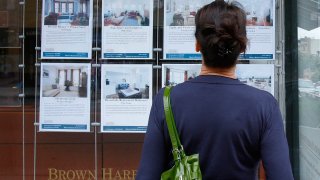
(106, 174)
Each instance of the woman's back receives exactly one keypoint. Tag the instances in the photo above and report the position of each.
(231, 125)
(223, 120)
(227, 123)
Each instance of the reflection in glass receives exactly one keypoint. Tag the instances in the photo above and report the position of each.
(309, 89)
(9, 23)
(9, 78)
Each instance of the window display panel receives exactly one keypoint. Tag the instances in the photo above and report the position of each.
(65, 97)
(61, 101)
(67, 29)
(127, 27)
(126, 97)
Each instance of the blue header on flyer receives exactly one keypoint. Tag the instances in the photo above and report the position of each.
(66, 54)
(124, 128)
(126, 55)
(183, 56)
(257, 56)
(64, 126)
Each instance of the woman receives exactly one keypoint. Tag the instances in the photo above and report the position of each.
(231, 125)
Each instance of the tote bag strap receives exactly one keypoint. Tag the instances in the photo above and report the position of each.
(177, 148)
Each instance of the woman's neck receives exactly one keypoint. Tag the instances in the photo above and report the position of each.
(225, 72)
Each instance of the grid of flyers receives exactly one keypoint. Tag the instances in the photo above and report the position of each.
(126, 89)
(127, 27)
(126, 93)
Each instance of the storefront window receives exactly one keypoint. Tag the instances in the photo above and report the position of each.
(131, 50)
(309, 88)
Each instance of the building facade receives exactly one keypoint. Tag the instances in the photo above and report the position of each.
(28, 152)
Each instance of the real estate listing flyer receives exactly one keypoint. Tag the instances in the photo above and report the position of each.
(65, 97)
(126, 100)
(260, 29)
(260, 76)
(127, 27)
(179, 28)
(173, 74)
(66, 29)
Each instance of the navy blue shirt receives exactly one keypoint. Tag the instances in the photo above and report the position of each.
(231, 125)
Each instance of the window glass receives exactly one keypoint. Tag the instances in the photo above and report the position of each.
(309, 88)
(9, 53)
(56, 7)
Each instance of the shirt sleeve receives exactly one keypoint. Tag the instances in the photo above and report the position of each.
(154, 154)
(274, 147)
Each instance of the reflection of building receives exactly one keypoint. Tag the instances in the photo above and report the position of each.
(309, 46)
(309, 11)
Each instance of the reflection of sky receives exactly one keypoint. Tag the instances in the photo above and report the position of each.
(256, 70)
(314, 34)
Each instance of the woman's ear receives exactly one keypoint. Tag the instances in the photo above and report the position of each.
(198, 47)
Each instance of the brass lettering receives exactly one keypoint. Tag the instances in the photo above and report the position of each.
(53, 173)
(134, 174)
(107, 174)
(126, 174)
(118, 175)
(70, 175)
(104, 173)
(62, 175)
(81, 174)
(91, 174)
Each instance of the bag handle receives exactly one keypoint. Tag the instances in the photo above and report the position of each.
(177, 148)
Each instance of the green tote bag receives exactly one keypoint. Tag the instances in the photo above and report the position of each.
(185, 167)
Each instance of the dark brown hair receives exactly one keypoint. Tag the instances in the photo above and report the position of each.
(221, 33)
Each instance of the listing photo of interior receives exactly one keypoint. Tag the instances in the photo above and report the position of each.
(64, 80)
(183, 12)
(129, 82)
(174, 74)
(259, 12)
(127, 13)
(67, 12)
(260, 76)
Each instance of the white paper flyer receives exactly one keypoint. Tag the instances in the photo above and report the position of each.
(66, 29)
(179, 29)
(65, 97)
(127, 27)
(126, 100)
